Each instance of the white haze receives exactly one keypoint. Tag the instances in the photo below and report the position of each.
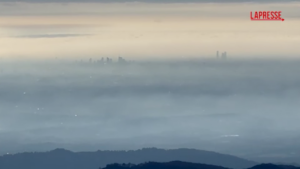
(236, 106)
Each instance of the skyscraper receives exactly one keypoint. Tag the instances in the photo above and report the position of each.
(121, 60)
(224, 55)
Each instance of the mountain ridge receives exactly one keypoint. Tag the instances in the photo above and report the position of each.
(62, 159)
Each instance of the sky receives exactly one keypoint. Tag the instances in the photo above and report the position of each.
(146, 29)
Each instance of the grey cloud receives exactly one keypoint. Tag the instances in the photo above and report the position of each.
(56, 9)
(48, 26)
(50, 36)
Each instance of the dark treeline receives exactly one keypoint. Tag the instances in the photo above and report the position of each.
(186, 165)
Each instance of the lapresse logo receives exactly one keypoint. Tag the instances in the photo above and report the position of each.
(266, 16)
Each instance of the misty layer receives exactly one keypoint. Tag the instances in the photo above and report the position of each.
(206, 104)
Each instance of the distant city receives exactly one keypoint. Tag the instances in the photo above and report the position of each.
(223, 55)
(105, 61)
(121, 60)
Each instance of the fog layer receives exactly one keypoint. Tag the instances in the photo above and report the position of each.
(240, 107)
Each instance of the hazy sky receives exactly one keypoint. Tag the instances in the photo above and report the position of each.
(246, 108)
(65, 28)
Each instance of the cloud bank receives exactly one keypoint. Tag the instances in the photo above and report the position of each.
(177, 104)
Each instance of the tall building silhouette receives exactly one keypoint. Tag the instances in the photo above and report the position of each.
(217, 54)
(108, 60)
(121, 60)
(224, 55)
